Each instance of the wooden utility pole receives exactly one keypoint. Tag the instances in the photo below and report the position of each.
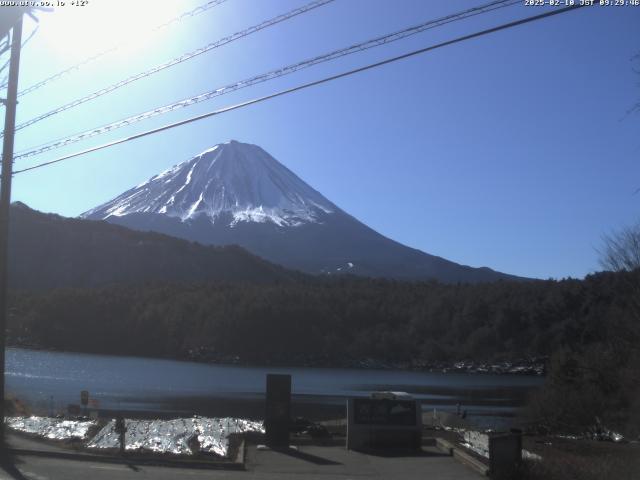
(5, 200)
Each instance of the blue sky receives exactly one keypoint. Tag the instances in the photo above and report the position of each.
(512, 151)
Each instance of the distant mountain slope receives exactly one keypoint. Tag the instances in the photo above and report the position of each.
(51, 251)
(236, 193)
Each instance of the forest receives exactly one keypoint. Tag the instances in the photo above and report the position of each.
(330, 321)
(588, 328)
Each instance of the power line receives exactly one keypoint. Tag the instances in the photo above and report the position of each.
(191, 13)
(5, 45)
(3, 48)
(176, 61)
(4, 82)
(54, 144)
(307, 85)
(392, 37)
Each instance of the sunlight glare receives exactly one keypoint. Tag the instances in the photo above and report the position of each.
(75, 32)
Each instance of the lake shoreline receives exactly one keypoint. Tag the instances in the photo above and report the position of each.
(536, 366)
(51, 382)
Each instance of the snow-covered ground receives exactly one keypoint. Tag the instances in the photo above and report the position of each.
(53, 428)
(176, 436)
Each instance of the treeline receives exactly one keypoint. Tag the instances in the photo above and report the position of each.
(332, 321)
(589, 328)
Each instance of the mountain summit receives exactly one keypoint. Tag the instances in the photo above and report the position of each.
(236, 193)
(232, 178)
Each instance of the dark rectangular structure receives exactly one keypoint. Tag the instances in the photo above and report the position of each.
(505, 455)
(278, 410)
(383, 424)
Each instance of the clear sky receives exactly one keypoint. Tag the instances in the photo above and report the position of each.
(512, 151)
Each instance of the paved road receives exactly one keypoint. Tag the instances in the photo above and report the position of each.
(41, 468)
(308, 463)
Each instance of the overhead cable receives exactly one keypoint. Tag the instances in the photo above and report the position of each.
(392, 37)
(191, 13)
(175, 61)
(306, 85)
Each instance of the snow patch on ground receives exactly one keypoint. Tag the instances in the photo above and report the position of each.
(477, 441)
(175, 436)
(53, 428)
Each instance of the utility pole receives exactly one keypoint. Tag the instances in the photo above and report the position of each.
(5, 201)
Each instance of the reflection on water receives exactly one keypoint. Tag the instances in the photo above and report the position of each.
(52, 380)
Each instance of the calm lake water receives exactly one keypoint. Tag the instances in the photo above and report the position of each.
(50, 381)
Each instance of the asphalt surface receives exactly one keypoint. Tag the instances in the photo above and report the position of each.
(42, 468)
(308, 462)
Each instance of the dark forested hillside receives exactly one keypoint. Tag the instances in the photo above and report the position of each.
(330, 322)
(48, 251)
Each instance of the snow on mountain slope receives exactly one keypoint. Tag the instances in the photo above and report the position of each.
(231, 178)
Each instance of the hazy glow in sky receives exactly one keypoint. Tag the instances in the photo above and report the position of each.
(512, 151)
(73, 33)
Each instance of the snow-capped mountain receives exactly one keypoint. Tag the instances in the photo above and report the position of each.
(232, 178)
(236, 193)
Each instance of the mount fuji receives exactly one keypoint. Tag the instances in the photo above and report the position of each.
(236, 193)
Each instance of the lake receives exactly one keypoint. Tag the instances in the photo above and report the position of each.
(144, 387)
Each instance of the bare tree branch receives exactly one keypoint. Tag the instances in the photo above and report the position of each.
(621, 250)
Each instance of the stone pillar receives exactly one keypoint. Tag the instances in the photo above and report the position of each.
(505, 454)
(278, 410)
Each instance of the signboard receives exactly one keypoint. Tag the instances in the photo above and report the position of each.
(278, 410)
(84, 397)
(385, 421)
(368, 411)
